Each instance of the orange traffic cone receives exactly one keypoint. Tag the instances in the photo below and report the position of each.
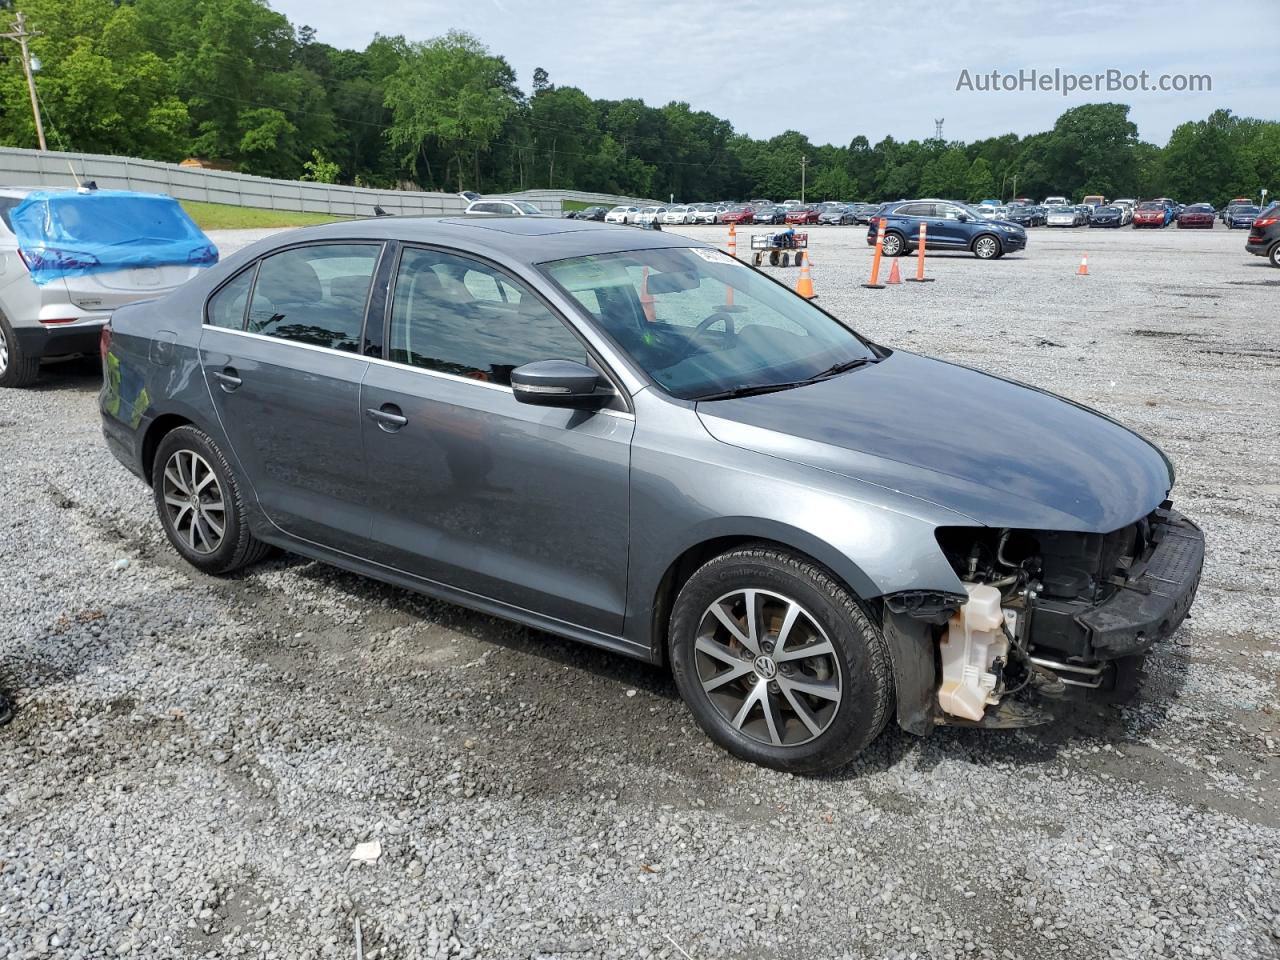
(1084, 266)
(895, 275)
(733, 240)
(804, 286)
(646, 298)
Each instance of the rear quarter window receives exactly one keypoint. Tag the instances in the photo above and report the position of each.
(6, 207)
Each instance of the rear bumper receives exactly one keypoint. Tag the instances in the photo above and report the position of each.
(1260, 246)
(1146, 609)
(57, 339)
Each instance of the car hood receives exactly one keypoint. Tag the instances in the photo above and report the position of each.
(999, 452)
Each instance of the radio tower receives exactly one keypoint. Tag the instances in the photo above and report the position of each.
(937, 129)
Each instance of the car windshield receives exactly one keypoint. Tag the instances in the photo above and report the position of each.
(1247, 210)
(1108, 210)
(1151, 205)
(701, 323)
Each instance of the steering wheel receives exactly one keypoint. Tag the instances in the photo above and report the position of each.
(700, 330)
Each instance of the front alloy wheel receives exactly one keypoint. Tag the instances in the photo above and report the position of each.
(986, 248)
(767, 667)
(778, 662)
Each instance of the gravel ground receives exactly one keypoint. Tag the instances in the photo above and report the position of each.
(195, 759)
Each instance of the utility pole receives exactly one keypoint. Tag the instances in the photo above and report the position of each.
(20, 33)
(803, 162)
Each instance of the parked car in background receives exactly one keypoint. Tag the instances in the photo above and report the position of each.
(1021, 215)
(817, 534)
(1064, 216)
(1241, 218)
(498, 206)
(705, 212)
(950, 226)
(68, 258)
(648, 215)
(1264, 235)
(1151, 213)
(1198, 215)
(836, 215)
(1107, 217)
(621, 214)
(863, 212)
(738, 213)
(1126, 208)
(1086, 212)
(1056, 202)
(1094, 200)
(680, 213)
(992, 212)
(770, 213)
(587, 213)
(1041, 213)
(1237, 202)
(802, 215)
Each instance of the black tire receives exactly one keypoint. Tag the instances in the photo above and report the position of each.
(785, 260)
(237, 547)
(864, 676)
(984, 250)
(894, 245)
(16, 368)
(1274, 255)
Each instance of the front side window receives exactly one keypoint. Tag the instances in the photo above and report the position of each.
(700, 323)
(226, 307)
(460, 316)
(316, 294)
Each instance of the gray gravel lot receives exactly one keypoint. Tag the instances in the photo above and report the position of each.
(195, 759)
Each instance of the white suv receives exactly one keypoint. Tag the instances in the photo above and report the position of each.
(55, 296)
(503, 208)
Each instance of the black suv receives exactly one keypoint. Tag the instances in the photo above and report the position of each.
(1264, 235)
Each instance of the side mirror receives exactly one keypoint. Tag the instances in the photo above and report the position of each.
(963, 217)
(557, 383)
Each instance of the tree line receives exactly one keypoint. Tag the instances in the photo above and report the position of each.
(235, 83)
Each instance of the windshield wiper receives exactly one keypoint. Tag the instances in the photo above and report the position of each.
(839, 368)
(751, 391)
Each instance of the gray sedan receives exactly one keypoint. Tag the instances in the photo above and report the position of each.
(636, 441)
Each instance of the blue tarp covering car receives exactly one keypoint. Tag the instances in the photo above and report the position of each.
(66, 233)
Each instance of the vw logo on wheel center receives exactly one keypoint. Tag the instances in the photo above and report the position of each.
(765, 668)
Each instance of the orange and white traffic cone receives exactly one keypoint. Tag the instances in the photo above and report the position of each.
(804, 286)
(875, 283)
(733, 240)
(1083, 270)
(895, 275)
(920, 277)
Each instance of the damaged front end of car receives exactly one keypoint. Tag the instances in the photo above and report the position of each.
(1044, 614)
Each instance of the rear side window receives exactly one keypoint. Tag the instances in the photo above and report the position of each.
(456, 315)
(316, 294)
(227, 306)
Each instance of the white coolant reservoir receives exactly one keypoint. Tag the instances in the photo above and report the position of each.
(972, 642)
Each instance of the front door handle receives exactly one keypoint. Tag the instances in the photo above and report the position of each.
(388, 417)
(228, 378)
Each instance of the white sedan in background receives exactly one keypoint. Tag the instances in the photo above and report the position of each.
(705, 212)
(679, 214)
(621, 214)
(647, 215)
(1064, 217)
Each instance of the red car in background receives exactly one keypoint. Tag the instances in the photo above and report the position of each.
(1197, 215)
(741, 213)
(1151, 213)
(802, 215)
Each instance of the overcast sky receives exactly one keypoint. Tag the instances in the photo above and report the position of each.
(837, 68)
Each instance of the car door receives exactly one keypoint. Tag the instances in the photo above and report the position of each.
(952, 232)
(280, 352)
(527, 505)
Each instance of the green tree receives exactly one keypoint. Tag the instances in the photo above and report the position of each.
(450, 94)
(946, 175)
(980, 184)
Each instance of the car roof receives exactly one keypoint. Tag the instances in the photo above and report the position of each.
(523, 239)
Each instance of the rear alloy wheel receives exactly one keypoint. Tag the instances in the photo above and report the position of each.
(986, 247)
(1274, 256)
(893, 244)
(778, 662)
(16, 368)
(200, 504)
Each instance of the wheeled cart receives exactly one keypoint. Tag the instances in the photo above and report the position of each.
(780, 249)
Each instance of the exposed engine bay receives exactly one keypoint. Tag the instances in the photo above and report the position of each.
(1053, 613)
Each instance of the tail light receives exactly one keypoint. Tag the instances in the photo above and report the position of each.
(1266, 222)
(104, 340)
(53, 258)
(207, 255)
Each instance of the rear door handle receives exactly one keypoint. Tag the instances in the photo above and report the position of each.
(388, 417)
(228, 379)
